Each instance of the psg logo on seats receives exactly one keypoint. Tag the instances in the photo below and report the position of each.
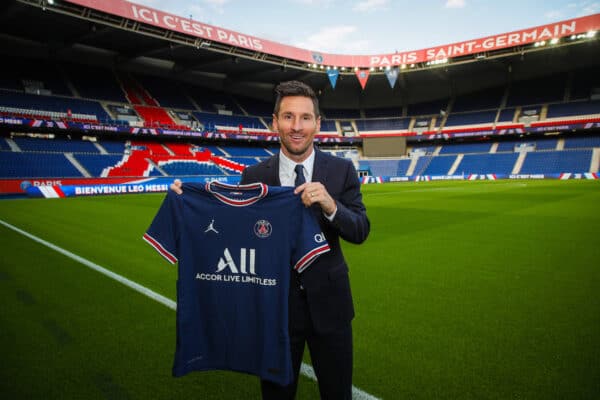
(262, 228)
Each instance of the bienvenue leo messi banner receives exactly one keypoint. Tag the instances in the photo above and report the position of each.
(151, 185)
(158, 185)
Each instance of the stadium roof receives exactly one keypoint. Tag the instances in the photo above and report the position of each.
(65, 31)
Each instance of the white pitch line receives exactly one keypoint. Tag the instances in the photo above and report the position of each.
(305, 369)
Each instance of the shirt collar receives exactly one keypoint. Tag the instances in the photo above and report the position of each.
(286, 168)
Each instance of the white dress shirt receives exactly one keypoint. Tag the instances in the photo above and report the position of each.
(287, 174)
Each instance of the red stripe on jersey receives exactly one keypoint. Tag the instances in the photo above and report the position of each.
(310, 257)
(159, 247)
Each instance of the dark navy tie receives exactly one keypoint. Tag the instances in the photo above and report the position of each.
(299, 175)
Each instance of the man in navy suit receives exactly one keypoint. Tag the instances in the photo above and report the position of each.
(320, 301)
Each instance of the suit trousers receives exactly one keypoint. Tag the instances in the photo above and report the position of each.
(330, 352)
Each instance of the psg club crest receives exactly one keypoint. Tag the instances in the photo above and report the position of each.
(263, 228)
(317, 57)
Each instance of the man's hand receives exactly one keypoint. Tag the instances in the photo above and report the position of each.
(176, 186)
(315, 192)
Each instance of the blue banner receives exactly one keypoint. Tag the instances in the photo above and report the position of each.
(333, 75)
(392, 75)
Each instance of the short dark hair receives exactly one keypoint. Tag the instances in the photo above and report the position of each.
(295, 88)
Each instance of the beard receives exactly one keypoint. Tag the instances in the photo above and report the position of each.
(296, 150)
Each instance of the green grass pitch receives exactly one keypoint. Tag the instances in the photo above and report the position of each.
(464, 290)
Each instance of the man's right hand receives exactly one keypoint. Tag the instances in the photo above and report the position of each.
(176, 186)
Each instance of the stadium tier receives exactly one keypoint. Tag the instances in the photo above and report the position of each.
(88, 94)
(26, 157)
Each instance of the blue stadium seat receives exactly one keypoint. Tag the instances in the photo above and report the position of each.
(471, 118)
(55, 145)
(96, 163)
(38, 165)
(387, 124)
(582, 142)
(537, 91)
(573, 109)
(439, 165)
(466, 148)
(555, 162)
(181, 168)
(487, 163)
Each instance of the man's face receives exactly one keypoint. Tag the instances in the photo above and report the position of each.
(297, 126)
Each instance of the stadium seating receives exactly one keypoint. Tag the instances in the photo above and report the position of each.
(439, 165)
(582, 142)
(56, 145)
(104, 86)
(167, 93)
(40, 165)
(328, 126)
(466, 148)
(335, 113)
(78, 93)
(487, 99)
(382, 124)
(157, 117)
(538, 144)
(67, 92)
(556, 162)
(537, 91)
(60, 157)
(95, 164)
(256, 107)
(183, 168)
(487, 164)
(428, 108)
(471, 118)
(573, 109)
(385, 167)
(211, 101)
(213, 120)
(30, 105)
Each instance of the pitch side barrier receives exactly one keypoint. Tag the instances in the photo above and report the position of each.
(132, 186)
(161, 185)
(475, 177)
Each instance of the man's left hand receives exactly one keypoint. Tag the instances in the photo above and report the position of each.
(315, 192)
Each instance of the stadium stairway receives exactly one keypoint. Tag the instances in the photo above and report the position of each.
(77, 165)
(456, 163)
(595, 160)
(412, 166)
(519, 163)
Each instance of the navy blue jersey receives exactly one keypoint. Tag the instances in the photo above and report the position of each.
(235, 247)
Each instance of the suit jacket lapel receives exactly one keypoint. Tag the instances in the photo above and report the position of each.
(319, 168)
(273, 171)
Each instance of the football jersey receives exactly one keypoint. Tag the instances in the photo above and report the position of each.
(236, 246)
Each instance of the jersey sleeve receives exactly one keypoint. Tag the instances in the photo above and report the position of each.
(163, 233)
(311, 242)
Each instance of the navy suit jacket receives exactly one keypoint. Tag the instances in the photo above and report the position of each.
(326, 282)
